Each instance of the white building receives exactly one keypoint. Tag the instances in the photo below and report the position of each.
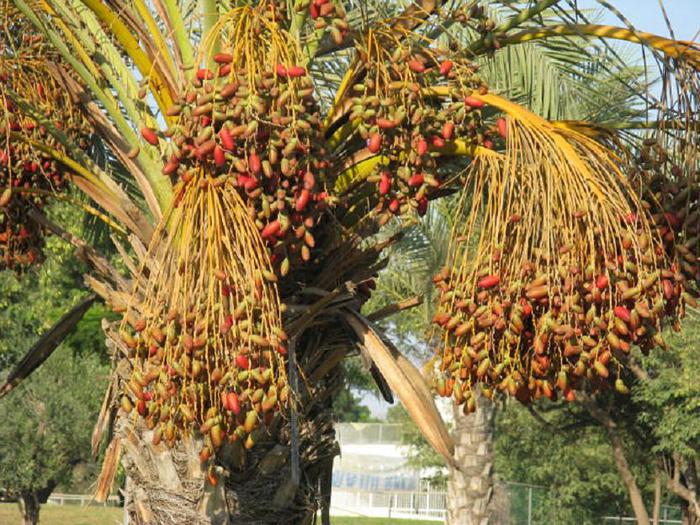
(371, 477)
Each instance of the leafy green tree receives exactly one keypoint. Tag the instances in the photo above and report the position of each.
(670, 391)
(667, 393)
(47, 421)
(46, 428)
(348, 408)
(567, 452)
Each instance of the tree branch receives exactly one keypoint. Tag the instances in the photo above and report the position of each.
(679, 489)
(635, 495)
(84, 251)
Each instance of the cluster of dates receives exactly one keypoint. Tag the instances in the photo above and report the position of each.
(266, 137)
(176, 378)
(672, 198)
(546, 333)
(329, 15)
(204, 333)
(396, 114)
(262, 131)
(27, 175)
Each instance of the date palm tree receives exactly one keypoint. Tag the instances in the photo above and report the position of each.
(255, 151)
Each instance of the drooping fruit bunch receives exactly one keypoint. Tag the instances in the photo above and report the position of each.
(667, 166)
(203, 327)
(671, 195)
(327, 14)
(28, 175)
(396, 112)
(557, 271)
(251, 118)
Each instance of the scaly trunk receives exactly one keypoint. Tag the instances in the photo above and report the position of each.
(29, 507)
(261, 486)
(254, 487)
(469, 490)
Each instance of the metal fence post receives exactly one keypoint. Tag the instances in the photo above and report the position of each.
(529, 506)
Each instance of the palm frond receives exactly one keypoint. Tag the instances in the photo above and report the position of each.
(47, 343)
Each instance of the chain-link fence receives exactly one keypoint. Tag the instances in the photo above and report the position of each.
(519, 502)
(524, 504)
(668, 515)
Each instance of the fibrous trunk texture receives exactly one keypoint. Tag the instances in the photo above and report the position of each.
(169, 486)
(470, 489)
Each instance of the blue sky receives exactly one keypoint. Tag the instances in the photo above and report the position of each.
(646, 15)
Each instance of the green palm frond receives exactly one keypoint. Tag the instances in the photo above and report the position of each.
(564, 83)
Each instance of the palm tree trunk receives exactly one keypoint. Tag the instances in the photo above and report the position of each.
(264, 485)
(261, 486)
(170, 486)
(469, 489)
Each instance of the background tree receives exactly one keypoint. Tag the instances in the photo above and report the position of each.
(357, 383)
(576, 468)
(47, 426)
(47, 421)
(666, 402)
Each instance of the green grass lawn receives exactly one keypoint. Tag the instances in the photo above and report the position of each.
(67, 515)
(379, 521)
